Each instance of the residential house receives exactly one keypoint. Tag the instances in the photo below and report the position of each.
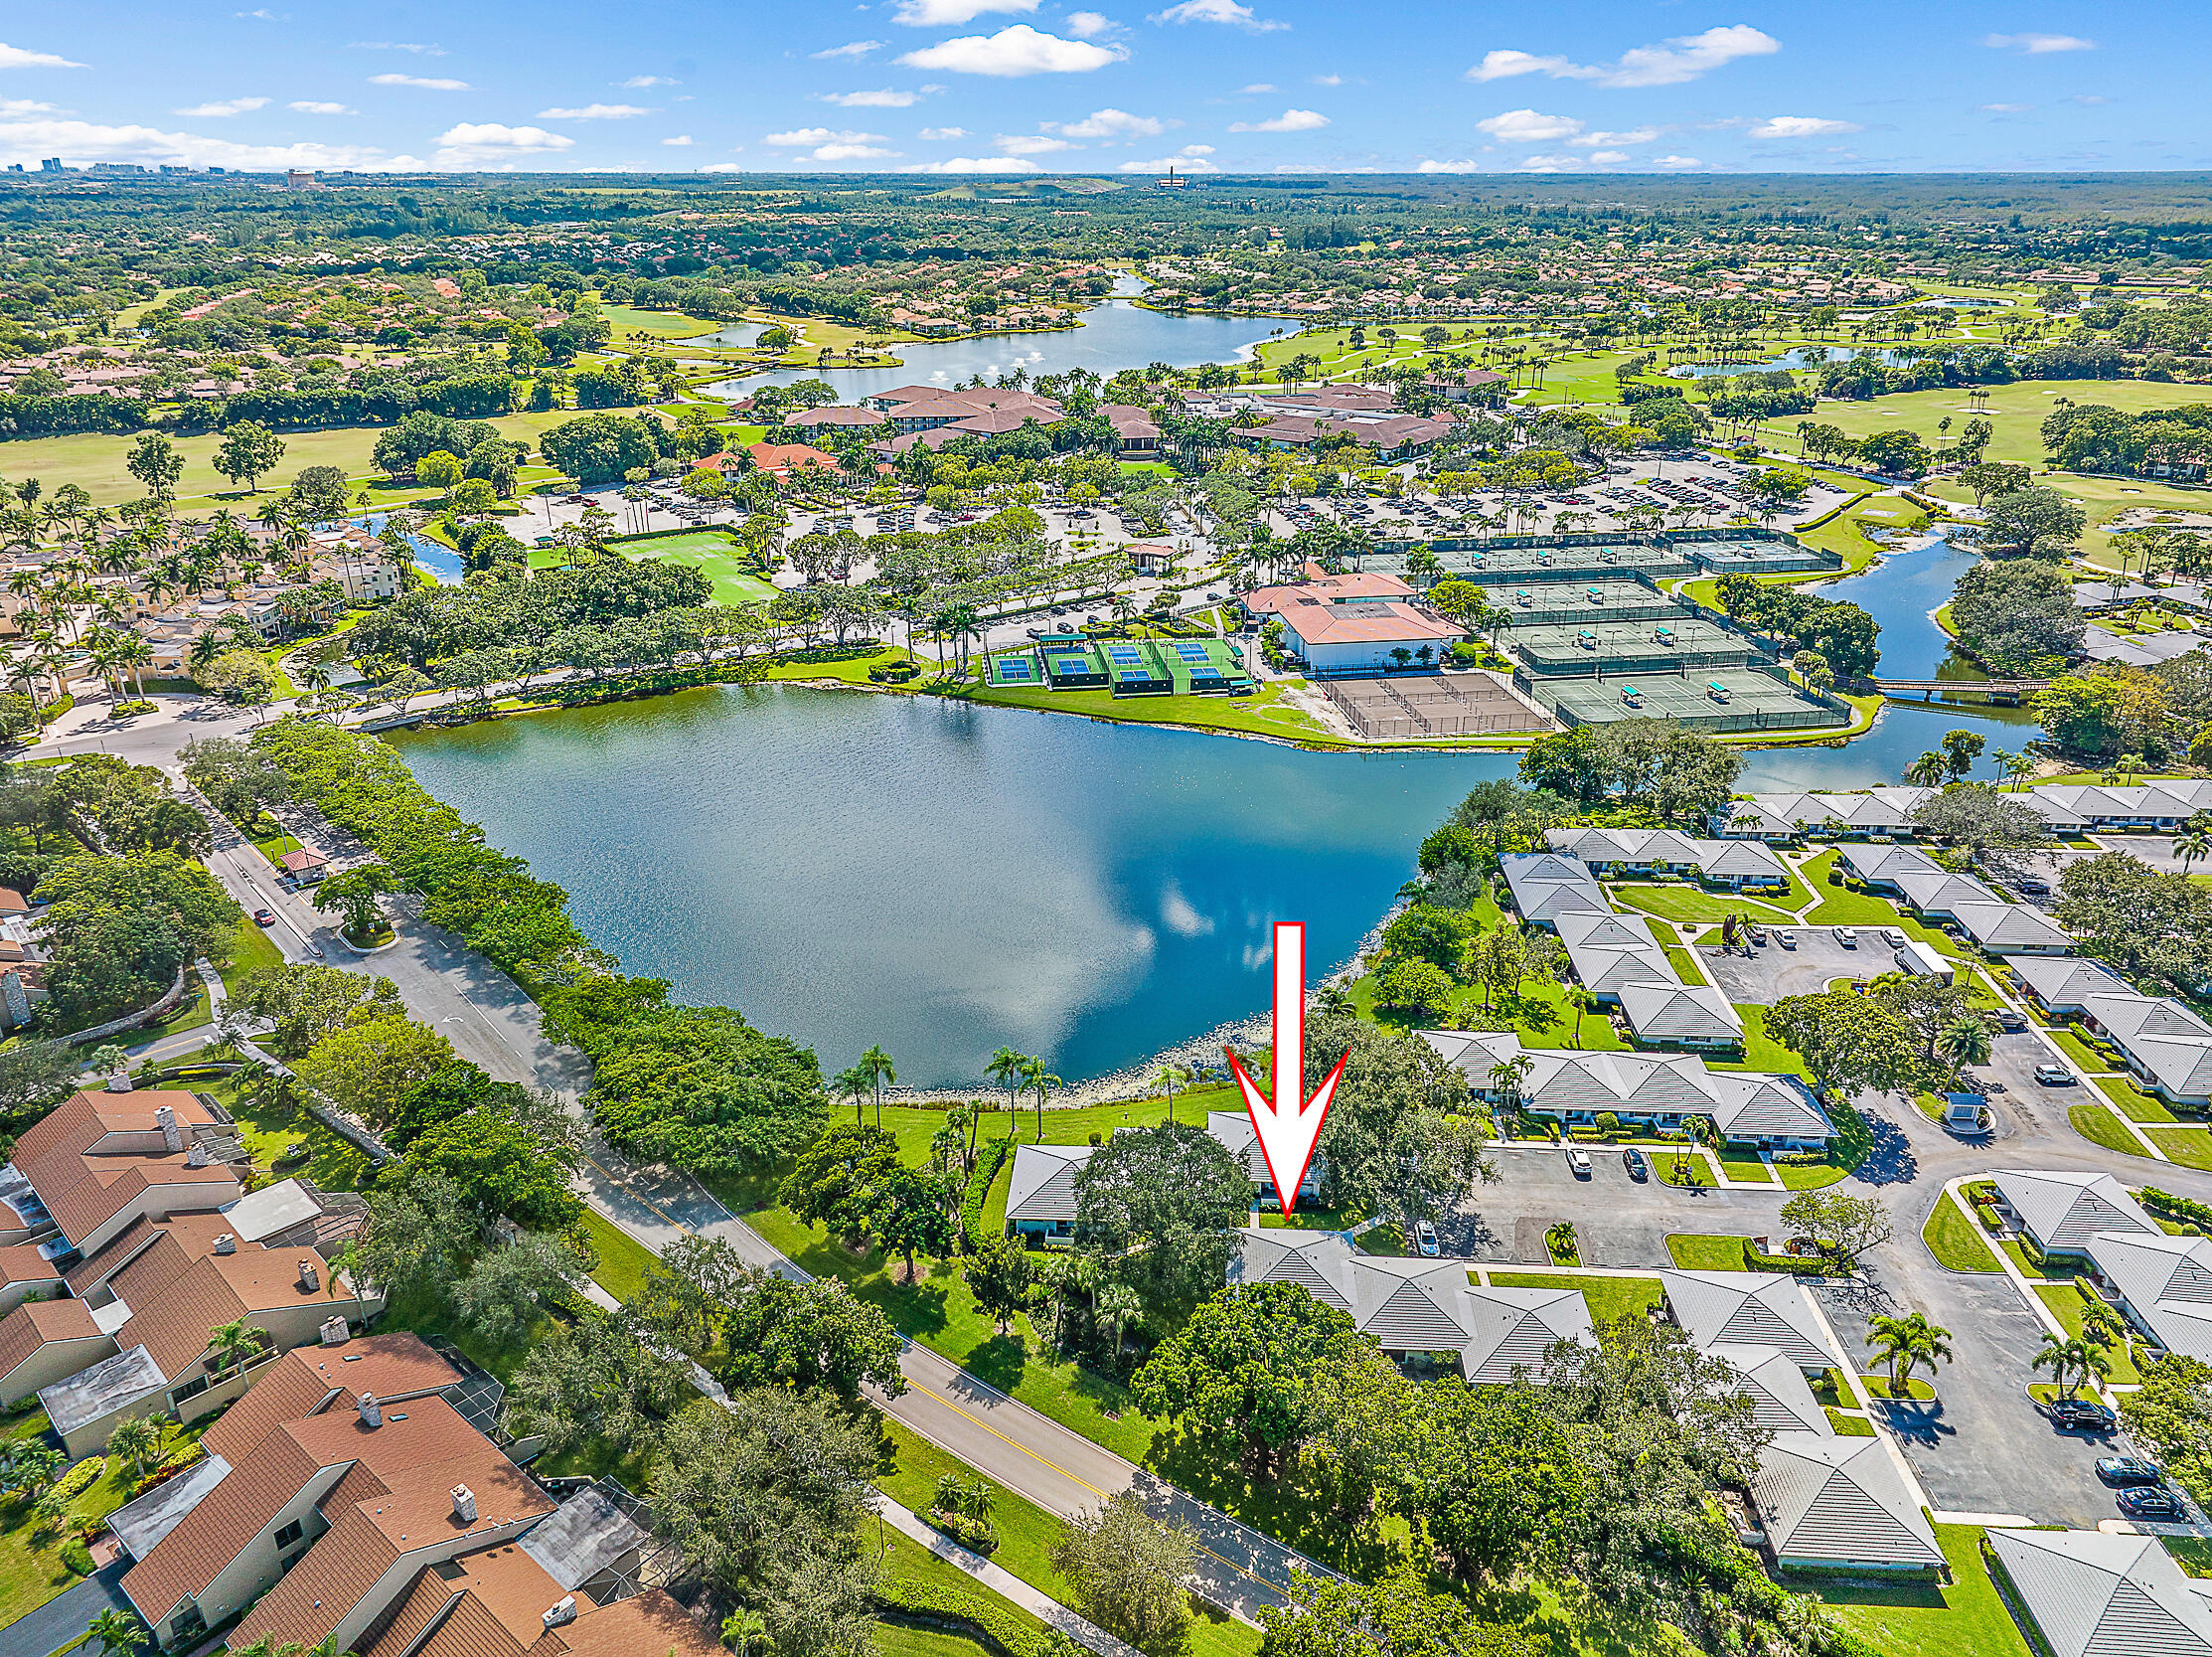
(99, 1161)
(1840, 1504)
(2167, 1048)
(2061, 987)
(1546, 886)
(2062, 1212)
(2164, 1283)
(1233, 1128)
(1750, 1308)
(1781, 1399)
(2097, 1593)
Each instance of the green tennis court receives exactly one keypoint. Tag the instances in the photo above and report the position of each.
(721, 556)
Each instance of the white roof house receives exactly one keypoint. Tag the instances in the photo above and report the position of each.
(1780, 1402)
(1040, 1192)
(1604, 969)
(1234, 1131)
(1319, 1262)
(2062, 984)
(1940, 892)
(2062, 1212)
(1546, 886)
(1839, 1503)
(1749, 1308)
(1667, 1013)
(1603, 931)
(2011, 928)
(2168, 1047)
(1885, 866)
(1418, 1306)
(2165, 1282)
(1733, 862)
(1510, 1329)
(2095, 1595)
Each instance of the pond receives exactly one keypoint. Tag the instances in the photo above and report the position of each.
(434, 558)
(942, 879)
(1115, 335)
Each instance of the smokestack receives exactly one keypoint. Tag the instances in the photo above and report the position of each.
(464, 1504)
(172, 1136)
(371, 1414)
(227, 1243)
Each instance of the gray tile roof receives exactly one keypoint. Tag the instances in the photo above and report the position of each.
(2065, 1210)
(1319, 1262)
(2095, 1595)
(1999, 926)
(1839, 1501)
(1781, 1400)
(1748, 1308)
(2168, 1280)
(1511, 1329)
(1673, 1012)
(2063, 980)
(1411, 1305)
(1043, 1184)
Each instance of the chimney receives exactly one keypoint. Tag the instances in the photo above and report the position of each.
(118, 1079)
(332, 1331)
(227, 1243)
(172, 1136)
(309, 1279)
(196, 1155)
(371, 1414)
(563, 1612)
(464, 1504)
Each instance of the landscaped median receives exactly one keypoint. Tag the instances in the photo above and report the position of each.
(1955, 1237)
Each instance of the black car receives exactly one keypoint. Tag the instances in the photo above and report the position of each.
(1632, 1160)
(2149, 1504)
(2128, 1470)
(2081, 1416)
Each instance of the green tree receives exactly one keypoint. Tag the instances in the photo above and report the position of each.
(501, 1170)
(839, 1179)
(1008, 1068)
(156, 464)
(810, 1336)
(1160, 1207)
(249, 451)
(354, 893)
(999, 1275)
(369, 1066)
(908, 1218)
(1903, 1344)
(1414, 989)
(118, 1633)
(1849, 1042)
(2170, 1416)
(507, 1287)
(1129, 1572)
(876, 1065)
(235, 1344)
(1396, 1616)
(2072, 1361)
(140, 1443)
(1966, 1040)
(599, 1379)
(2035, 522)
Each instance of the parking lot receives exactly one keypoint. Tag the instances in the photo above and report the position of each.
(1618, 1220)
(1771, 972)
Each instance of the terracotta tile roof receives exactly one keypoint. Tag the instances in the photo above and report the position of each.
(209, 1538)
(395, 1366)
(651, 1622)
(84, 1184)
(36, 1322)
(427, 1597)
(22, 1262)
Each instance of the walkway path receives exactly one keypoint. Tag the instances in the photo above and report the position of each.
(1004, 1582)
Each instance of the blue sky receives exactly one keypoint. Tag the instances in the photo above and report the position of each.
(1033, 86)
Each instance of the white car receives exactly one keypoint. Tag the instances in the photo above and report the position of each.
(1893, 936)
(1578, 1159)
(1424, 1239)
(1846, 938)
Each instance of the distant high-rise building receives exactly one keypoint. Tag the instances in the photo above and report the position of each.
(51, 164)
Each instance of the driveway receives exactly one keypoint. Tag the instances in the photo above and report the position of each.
(2026, 1110)
(67, 1615)
(1766, 974)
(1617, 1221)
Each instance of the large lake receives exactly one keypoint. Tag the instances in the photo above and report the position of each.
(940, 878)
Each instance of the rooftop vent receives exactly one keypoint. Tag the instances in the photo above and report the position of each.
(563, 1612)
(227, 1243)
(371, 1414)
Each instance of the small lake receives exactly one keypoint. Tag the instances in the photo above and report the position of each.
(941, 878)
(1116, 334)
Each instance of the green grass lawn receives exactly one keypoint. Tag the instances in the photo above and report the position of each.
(1915, 1390)
(2101, 1128)
(1848, 1426)
(2190, 1146)
(252, 951)
(1706, 1250)
(1746, 1168)
(1955, 1238)
(2084, 1058)
(623, 1260)
(1609, 1298)
(1690, 903)
(1265, 713)
(2133, 1103)
(333, 1163)
(31, 1568)
(2020, 1262)
(720, 554)
(2066, 1304)
(1960, 1618)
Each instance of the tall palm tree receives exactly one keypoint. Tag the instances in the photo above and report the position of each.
(876, 1065)
(137, 1441)
(1907, 1343)
(1044, 1082)
(1581, 998)
(118, 1632)
(1506, 1076)
(1929, 770)
(235, 1344)
(1009, 1069)
(1166, 1078)
(2193, 839)
(2068, 1356)
(1966, 1040)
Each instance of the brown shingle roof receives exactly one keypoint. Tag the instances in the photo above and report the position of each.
(82, 1189)
(22, 1262)
(209, 1538)
(36, 1322)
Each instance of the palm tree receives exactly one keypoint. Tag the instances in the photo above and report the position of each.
(2193, 839)
(746, 1631)
(2070, 1356)
(1166, 1078)
(1966, 1040)
(876, 1065)
(1929, 770)
(117, 1633)
(1009, 1069)
(233, 1345)
(1044, 1082)
(137, 1441)
(1506, 1076)
(1116, 1307)
(852, 1084)
(1581, 998)
(1907, 1343)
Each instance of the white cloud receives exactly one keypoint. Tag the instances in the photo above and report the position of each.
(2090, 99)
(1329, 80)
(2005, 109)
(595, 113)
(884, 99)
(1088, 25)
(940, 134)
(426, 82)
(11, 108)
(804, 136)
(491, 144)
(225, 107)
(1255, 88)
(1669, 64)
(722, 167)
(638, 82)
(16, 56)
(1290, 120)
(1802, 127)
(853, 152)
(851, 48)
(1191, 158)
(28, 140)
(1217, 11)
(980, 164)
(1028, 144)
(1110, 123)
(1016, 50)
(936, 14)
(1550, 163)
(682, 140)
(1449, 167)
(318, 106)
(1635, 136)
(400, 46)
(264, 15)
(2037, 44)
(1607, 157)
(1676, 162)
(1526, 126)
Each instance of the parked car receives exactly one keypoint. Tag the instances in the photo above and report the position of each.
(1632, 1160)
(2130, 1470)
(265, 918)
(1756, 932)
(1424, 1237)
(2035, 885)
(2008, 1020)
(1786, 938)
(2081, 1416)
(2149, 1504)
(1578, 1159)
(2054, 1075)
(1845, 937)
(1892, 936)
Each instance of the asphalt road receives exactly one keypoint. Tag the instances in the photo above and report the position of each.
(67, 1615)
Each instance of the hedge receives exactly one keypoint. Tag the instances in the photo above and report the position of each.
(915, 1585)
(989, 1160)
(2179, 1208)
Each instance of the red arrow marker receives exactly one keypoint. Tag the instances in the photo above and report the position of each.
(1287, 1131)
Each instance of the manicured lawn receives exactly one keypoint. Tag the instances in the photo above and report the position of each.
(721, 556)
(1849, 1426)
(31, 1568)
(1761, 1050)
(1878, 1387)
(1609, 1298)
(623, 1260)
(2133, 1103)
(2086, 1059)
(1747, 1170)
(334, 1163)
(2020, 1262)
(1706, 1251)
(2066, 1304)
(1690, 903)
(1264, 713)
(2190, 1146)
(2099, 1126)
(916, 1580)
(1955, 1238)
(1960, 1618)
(253, 950)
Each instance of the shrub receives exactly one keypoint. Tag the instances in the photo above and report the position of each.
(80, 1476)
(76, 1556)
(1608, 1123)
(978, 1536)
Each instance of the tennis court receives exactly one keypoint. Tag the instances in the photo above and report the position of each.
(1014, 670)
(1431, 704)
(1716, 700)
